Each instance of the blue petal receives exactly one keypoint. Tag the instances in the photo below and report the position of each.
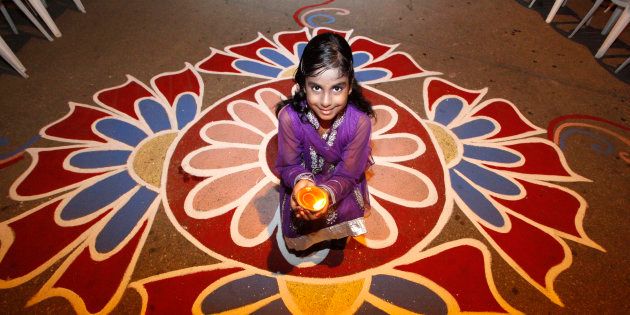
(154, 114)
(276, 307)
(238, 293)
(97, 196)
(329, 19)
(476, 201)
(121, 131)
(487, 179)
(369, 75)
(406, 294)
(98, 159)
(474, 128)
(257, 68)
(300, 49)
(490, 154)
(359, 59)
(447, 110)
(276, 57)
(186, 110)
(127, 217)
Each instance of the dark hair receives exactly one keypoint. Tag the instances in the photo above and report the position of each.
(323, 52)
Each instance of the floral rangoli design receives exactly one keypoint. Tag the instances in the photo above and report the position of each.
(148, 148)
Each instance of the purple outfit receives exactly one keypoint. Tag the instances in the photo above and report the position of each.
(335, 161)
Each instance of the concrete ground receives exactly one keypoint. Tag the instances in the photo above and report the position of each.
(500, 45)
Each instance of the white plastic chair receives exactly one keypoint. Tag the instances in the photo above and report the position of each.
(554, 9)
(618, 21)
(7, 17)
(11, 58)
(32, 18)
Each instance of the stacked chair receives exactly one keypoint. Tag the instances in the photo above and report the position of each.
(38, 6)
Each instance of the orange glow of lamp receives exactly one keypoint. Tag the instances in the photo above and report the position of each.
(312, 198)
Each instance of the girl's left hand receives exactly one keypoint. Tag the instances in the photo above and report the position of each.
(310, 215)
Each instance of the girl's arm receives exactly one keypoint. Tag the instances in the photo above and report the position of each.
(289, 159)
(354, 159)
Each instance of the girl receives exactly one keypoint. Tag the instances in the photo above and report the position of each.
(324, 140)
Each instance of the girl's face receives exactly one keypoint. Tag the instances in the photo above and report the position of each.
(327, 95)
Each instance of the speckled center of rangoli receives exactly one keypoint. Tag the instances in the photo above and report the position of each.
(447, 143)
(148, 160)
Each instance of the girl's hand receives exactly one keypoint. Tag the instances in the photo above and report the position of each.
(294, 204)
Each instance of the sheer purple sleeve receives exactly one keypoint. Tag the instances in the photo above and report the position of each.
(289, 159)
(354, 160)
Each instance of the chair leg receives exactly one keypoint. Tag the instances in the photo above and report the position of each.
(621, 24)
(12, 59)
(79, 5)
(613, 19)
(41, 11)
(32, 18)
(531, 4)
(554, 10)
(587, 17)
(623, 65)
(8, 18)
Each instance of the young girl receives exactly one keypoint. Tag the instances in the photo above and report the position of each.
(324, 140)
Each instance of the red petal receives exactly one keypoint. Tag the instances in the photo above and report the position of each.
(534, 251)
(46, 174)
(250, 50)
(76, 125)
(177, 294)
(323, 30)
(367, 45)
(96, 282)
(461, 271)
(511, 121)
(399, 64)
(437, 88)
(560, 214)
(173, 84)
(123, 98)
(541, 158)
(289, 40)
(37, 239)
(218, 62)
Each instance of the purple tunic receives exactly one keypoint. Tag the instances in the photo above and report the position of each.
(335, 161)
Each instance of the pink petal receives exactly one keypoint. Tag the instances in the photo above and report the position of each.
(384, 117)
(399, 64)
(512, 123)
(258, 213)
(381, 227)
(270, 98)
(218, 158)
(250, 49)
(173, 84)
(230, 132)
(289, 40)
(123, 98)
(531, 251)
(364, 44)
(46, 174)
(95, 281)
(436, 88)
(397, 147)
(76, 125)
(541, 157)
(36, 240)
(218, 62)
(177, 292)
(252, 115)
(460, 270)
(561, 214)
(401, 185)
(224, 192)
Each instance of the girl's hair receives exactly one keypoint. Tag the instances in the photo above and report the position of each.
(323, 52)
